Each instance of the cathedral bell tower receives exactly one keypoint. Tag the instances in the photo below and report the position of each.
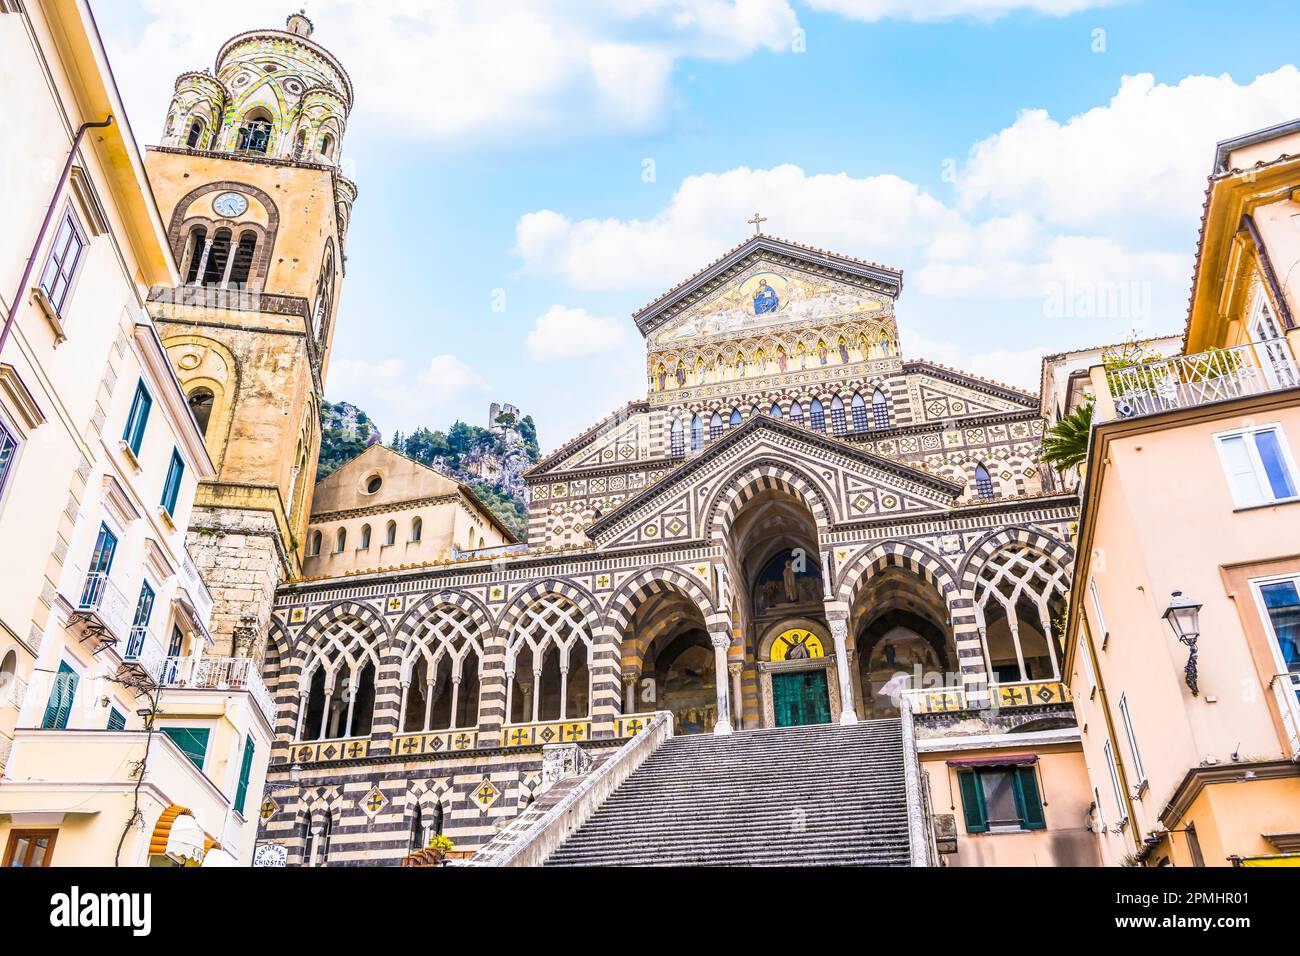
(247, 177)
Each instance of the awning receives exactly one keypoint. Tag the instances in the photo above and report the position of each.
(219, 857)
(177, 835)
(1007, 760)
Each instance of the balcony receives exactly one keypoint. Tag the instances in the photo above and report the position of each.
(1012, 695)
(102, 613)
(142, 661)
(219, 673)
(1186, 381)
(1286, 688)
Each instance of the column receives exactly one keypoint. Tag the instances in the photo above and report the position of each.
(606, 670)
(840, 634)
(721, 641)
(735, 668)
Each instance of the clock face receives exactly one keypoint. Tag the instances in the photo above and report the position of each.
(230, 205)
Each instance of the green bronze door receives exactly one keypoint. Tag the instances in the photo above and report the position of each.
(801, 698)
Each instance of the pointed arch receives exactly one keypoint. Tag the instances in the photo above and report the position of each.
(765, 475)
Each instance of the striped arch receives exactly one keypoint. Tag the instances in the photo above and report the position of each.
(320, 635)
(1027, 535)
(580, 596)
(894, 554)
(623, 605)
(417, 614)
(334, 612)
(765, 475)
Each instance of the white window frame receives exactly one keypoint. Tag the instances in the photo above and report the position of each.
(1261, 475)
(1109, 753)
(1089, 670)
(1279, 662)
(1096, 609)
(1127, 720)
(20, 443)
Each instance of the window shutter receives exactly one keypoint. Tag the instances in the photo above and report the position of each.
(192, 741)
(59, 707)
(245, 769)
(1031, 805)
(116, 720)
(972, 802)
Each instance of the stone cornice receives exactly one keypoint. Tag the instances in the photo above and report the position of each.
(1198, 778)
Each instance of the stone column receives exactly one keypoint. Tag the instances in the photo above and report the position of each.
(840, 634)
(721, 641)
(629, 693)
(735, 668)
(606, 674)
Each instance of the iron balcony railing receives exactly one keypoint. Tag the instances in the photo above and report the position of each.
(1286, 687)
(1184, 381)
(104, 599)
(145, 651)
(220, 673)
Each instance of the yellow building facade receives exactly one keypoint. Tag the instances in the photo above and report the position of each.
(1182, 646)
(256, 210)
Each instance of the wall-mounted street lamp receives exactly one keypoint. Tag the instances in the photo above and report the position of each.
(1184, 617)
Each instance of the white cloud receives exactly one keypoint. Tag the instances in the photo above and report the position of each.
(399, 398)
(873, 10)
(1143, 155)
(1018, 368)
(563, 333)
(454, 68)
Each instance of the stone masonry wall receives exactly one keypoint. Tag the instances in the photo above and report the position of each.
(238, 554)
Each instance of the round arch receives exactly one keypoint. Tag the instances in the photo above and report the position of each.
(898, 554)
(754, 479)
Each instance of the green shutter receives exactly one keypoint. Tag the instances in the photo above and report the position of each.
(59, 707)
(116, 719)
(972, 801)
(1031, 805)
(241, 792)
(193, 742)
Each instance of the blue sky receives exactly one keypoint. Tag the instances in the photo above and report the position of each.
(531, 173)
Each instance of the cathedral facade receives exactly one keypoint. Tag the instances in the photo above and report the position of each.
(797, 524)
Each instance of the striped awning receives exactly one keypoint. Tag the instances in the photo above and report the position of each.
(1007, 760)
(177, 835)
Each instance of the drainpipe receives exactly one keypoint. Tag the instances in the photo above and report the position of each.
(45, 228)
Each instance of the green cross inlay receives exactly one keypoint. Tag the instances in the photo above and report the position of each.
(376, 802)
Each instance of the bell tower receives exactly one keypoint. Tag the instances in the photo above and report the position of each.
(247, 177)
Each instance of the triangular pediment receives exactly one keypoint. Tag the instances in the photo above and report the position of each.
(846, 483)
(768, 283)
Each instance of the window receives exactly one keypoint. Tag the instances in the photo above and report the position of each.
(242, 264)
(255, 134)
(796, 414)
(838, 426)
(1085, 657)
(198, 244)
(245, 772)
(697, 433)
(214, 273)
(859, 408)
(116, 719)
(374, 484)
(1281, 602)
(200, 401)
(817, 416)
(417, 831)
(327, 146)
(1113, 769)
(390, 534)
(313, 549)
(340, 540)
(141, 405)
(193, 742)
(1096, 609)
(677, 443)
(140, 626)
(776, 409)
(879, 409)
(56, 280)
(8, 451)
(1000, 799)
(983, 482)
(62, 695)
(715, 427)
(1258, 466)
(172, 486)
(1132, 739)
(101, 563)
(29, 848)
(365, 537)
(735, 418)
(417, 530)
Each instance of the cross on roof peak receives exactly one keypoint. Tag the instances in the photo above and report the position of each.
(757, 223)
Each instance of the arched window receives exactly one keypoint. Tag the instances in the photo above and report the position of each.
(195, 138)
(327, 831)
(715, 427)
(983, 483)
(417, 831)
(243, 262)
(365, 537)
(796, 413)
(339, 681)
(217, 257)
(879, 409)
(859, 413)
(340, 540)
(313, 548)
(308, 842)
(697, 433)
(838, 426)
(390, 537)
(327, 146)
(735, 418)
(201, 400)
(440, 675)
(776, 409)
(417, 530)
(677, 443)
(198, 245)
(817, 416)
(300, 145)
(255, 135)
(548, 676)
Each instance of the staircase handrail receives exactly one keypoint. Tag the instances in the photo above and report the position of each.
(553, 825)
(917, 823)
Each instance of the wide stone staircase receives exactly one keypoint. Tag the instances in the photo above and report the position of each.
(798, 796)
